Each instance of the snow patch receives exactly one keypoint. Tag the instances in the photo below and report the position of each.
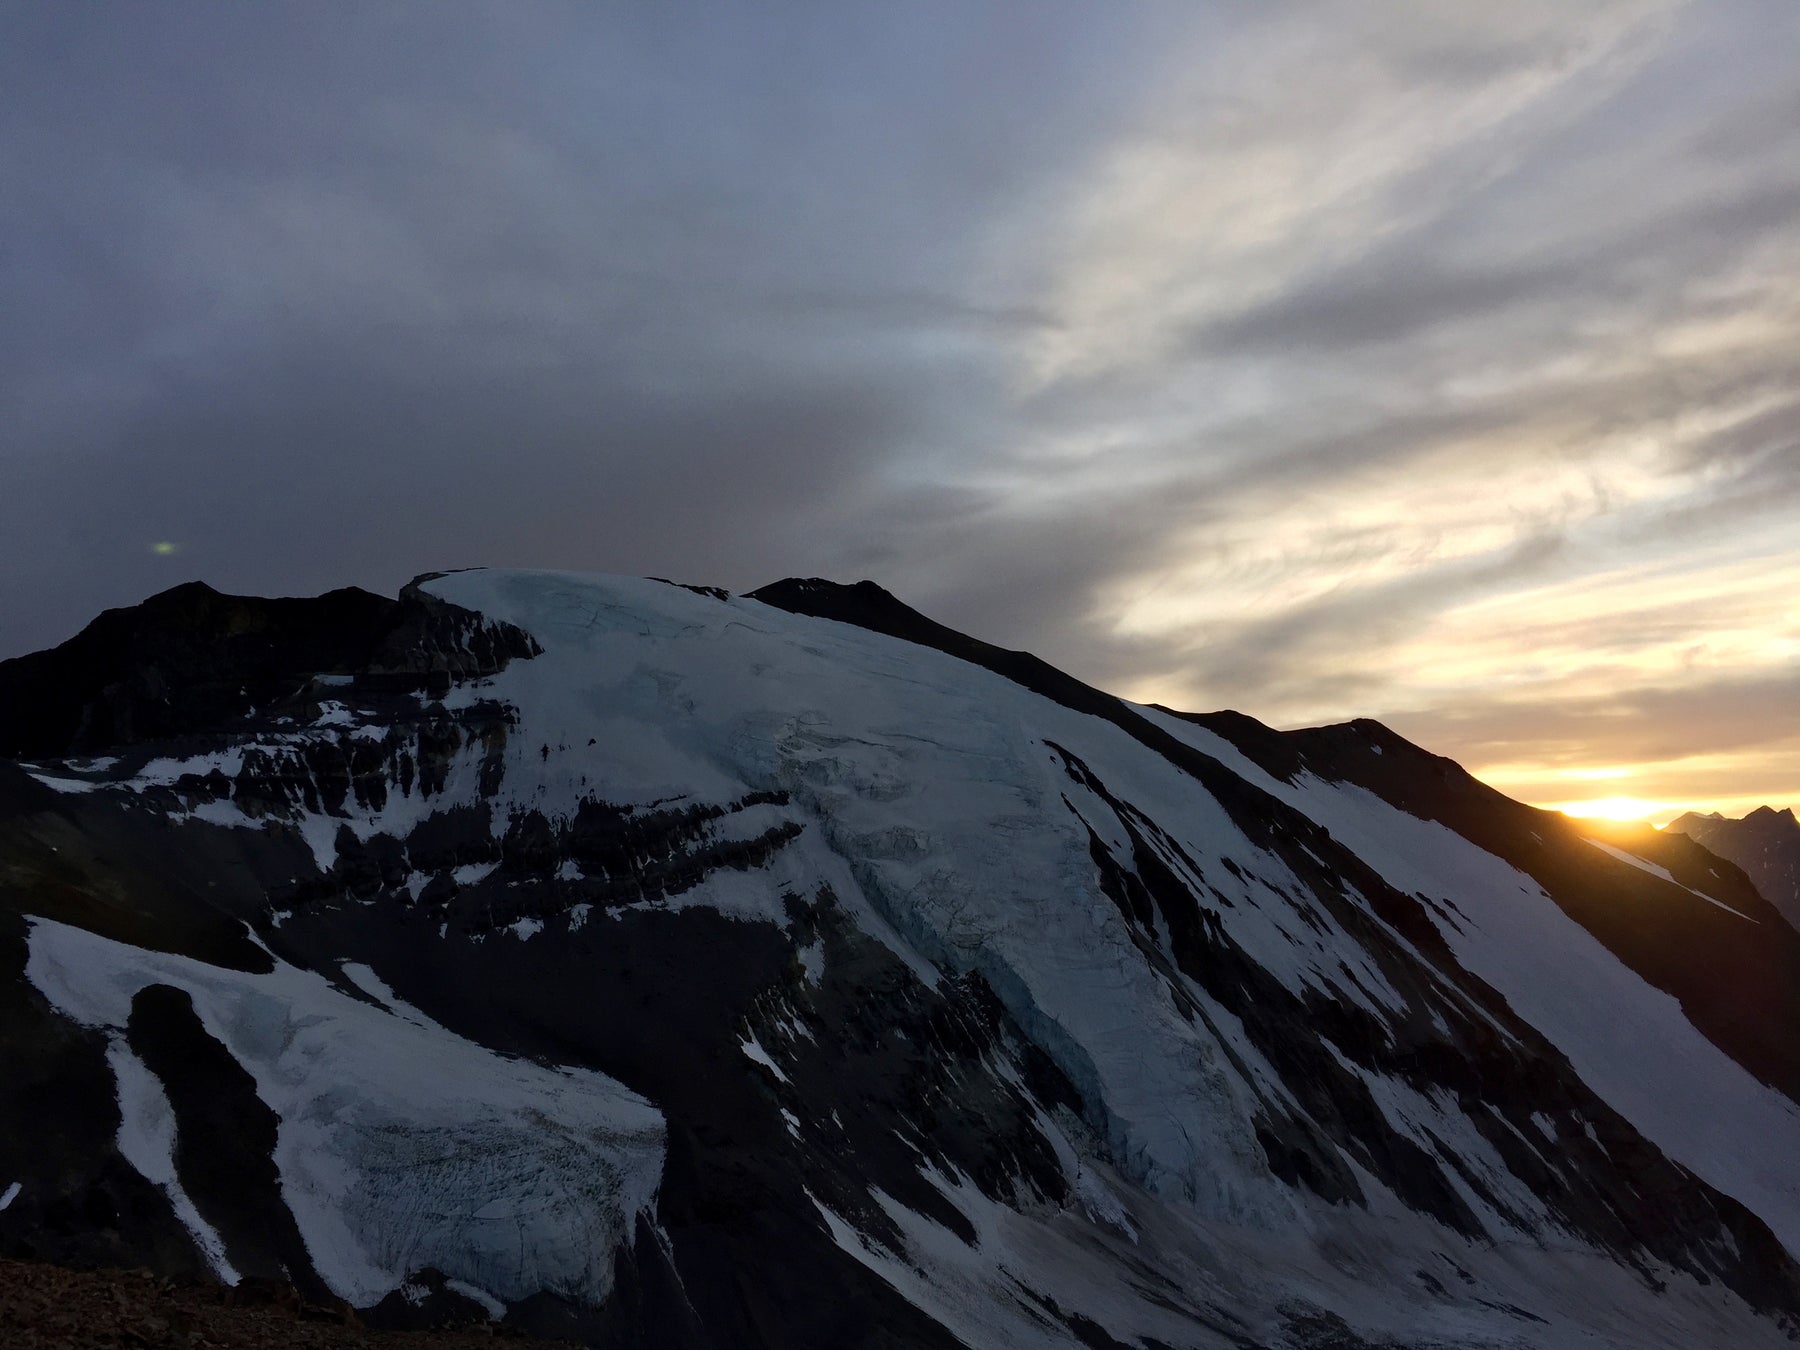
(61, 784)
(365, 979)
(752, 1048)
(400, 1144)
(147, 1141)
(1656, 870)
(1102, 1206)
(475, 1293)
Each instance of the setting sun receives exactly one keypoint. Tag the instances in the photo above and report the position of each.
(1611, 808)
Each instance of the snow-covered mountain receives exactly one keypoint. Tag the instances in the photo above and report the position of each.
(665, 967)
(1765, 843)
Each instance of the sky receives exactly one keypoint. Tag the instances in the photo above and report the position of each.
(1438, 363)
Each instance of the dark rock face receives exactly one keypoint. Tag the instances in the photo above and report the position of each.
(1765, 843)
(875, 1131)
(191, 659)
(79, 1202)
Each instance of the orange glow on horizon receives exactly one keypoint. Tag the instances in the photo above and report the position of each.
(1654, 792)
(1613, 808)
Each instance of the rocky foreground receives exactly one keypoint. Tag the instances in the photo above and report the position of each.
(53, 1306)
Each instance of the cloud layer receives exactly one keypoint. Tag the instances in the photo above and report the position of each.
(1317, 359)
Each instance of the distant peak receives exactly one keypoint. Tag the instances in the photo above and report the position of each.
(1768, 815)
(863, 602)
(1762, 820)
(864, 589)
(185, 593)
(711, 592)
(190, 593)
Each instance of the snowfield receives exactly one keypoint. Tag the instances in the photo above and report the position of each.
(1629, 1041)
(400, 1146)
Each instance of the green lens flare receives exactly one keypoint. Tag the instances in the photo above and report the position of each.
(164, 549)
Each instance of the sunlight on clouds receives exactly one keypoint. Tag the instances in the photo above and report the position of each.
(1295, 146)
(1601, 775)
(1461, 510)
(1434, 371)
(1417, 590)
(1595, 633)
(1424, 376)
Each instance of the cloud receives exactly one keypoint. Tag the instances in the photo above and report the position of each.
(1728, 743)
(341, 296)
(1712, 716)
(1322, 361)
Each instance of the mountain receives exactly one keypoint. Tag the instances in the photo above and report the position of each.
(649, 965)
(1765, 843)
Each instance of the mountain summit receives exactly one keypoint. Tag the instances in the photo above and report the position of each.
(1765, 843)
(648, 965)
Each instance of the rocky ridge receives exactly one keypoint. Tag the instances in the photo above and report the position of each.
(1765, 843)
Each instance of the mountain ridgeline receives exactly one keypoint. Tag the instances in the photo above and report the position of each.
(641, 964)
(1765, 843)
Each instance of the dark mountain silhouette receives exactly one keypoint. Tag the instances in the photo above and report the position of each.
(1765, 843)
